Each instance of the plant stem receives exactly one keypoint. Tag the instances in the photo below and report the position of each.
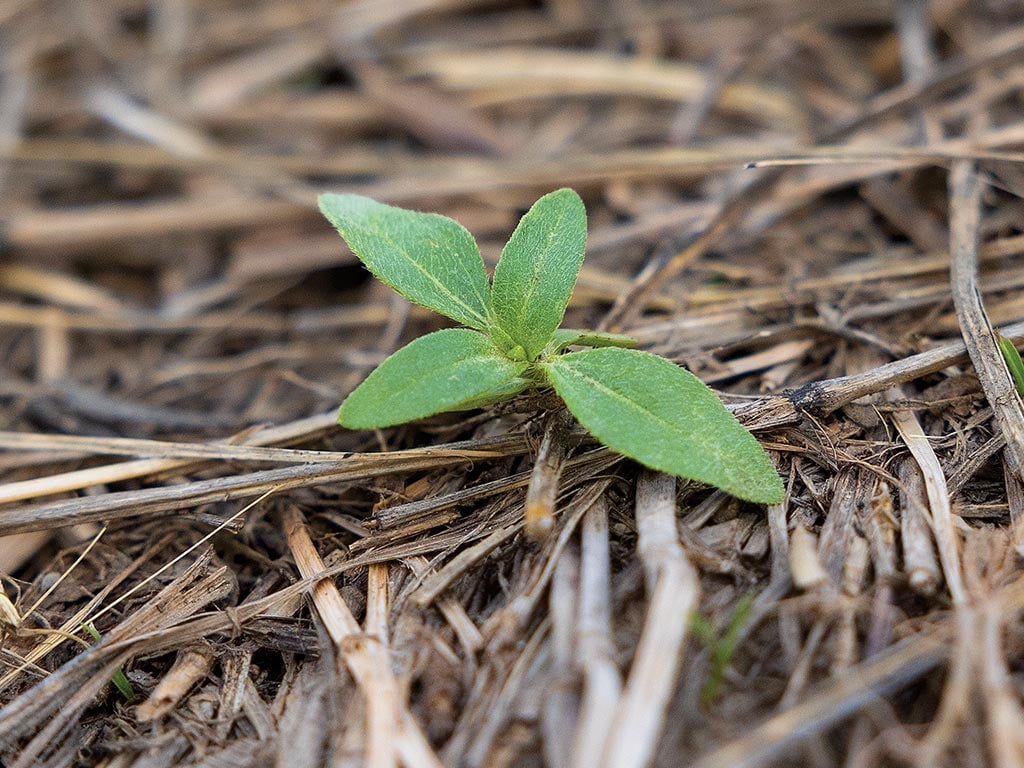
(542, 492)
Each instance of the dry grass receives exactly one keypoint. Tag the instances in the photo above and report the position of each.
(815, 207)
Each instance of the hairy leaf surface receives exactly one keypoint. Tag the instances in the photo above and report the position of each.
(538, 269)
(568, 337)
(438, 372)
(430, 259)
(499, 394)
(660, 414)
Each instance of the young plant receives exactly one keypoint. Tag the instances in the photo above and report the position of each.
(720, 647)
(636, 403)
(119, 678)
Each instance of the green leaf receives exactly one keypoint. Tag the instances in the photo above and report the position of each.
(437, 372)
(1012, 358)
(723, 649)
(651, 410)
(538, 269)
(119, 678)
(499, 394)
(430, 259)
(568, 337)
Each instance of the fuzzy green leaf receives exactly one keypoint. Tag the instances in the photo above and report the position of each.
(569, 337)
(499, 394)
(538, 269)
(660, 414)
(430, 259)
(434, 373)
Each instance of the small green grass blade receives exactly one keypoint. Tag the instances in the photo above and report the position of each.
(1012, 358)
(725, 648)
(721, 649)
(119, 678)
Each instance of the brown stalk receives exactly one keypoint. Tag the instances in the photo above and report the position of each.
(673, 590)
(366, 659)
(542, 490)
(602, 682)
(965, 206)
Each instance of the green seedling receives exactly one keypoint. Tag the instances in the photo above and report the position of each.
(636, 403)
(720, 647)
(119, 678)
(1012, 358)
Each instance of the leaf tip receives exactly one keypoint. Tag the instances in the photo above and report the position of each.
(761, 482)
(567, 192)
(348, 420)
(773, 492)
(326, 200)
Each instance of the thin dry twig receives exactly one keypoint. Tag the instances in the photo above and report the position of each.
(941, 516)
(602, 682)
(769, 740)
(366, 659)
(1007, 407)
(673, 588)
(547, 469)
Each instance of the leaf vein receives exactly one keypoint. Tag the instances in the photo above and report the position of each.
(600, 385)
(443, 289)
